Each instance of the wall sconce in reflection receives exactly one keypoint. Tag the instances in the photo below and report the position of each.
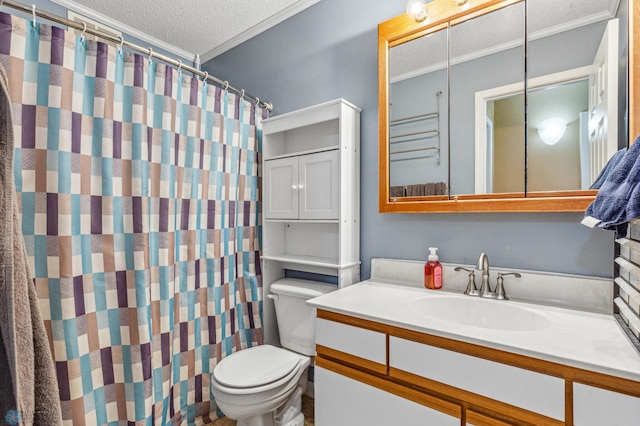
(416, 9)
(552, 130)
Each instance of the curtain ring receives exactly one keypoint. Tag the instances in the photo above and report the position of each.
(121, 43)
(84, 28)
(242, 94)
(1, 2)
(257, 102)
(33, 10)
(226, 86)
(206, 75)
(179, 65)
(150, 54)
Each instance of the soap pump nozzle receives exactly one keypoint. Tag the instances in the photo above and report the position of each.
(433, 254)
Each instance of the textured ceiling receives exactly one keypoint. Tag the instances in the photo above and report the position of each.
(205, 27)
(495, 32)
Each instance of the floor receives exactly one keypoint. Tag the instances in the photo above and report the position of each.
(307, 409)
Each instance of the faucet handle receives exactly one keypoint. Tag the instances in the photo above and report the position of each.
(471, 290)
(500, 292)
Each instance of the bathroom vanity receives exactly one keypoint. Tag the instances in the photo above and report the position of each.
(389, 353)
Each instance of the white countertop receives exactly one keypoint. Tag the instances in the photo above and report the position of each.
(580, 339)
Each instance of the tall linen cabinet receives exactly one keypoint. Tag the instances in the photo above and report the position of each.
(311, 199)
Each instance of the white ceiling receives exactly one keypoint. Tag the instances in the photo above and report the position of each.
(189, 27)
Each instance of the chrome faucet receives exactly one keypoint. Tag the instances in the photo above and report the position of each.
(500, 293)
(485, 287)
(471, 290)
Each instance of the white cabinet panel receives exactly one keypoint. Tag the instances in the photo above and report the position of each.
(523, 388)
(342, 401)
(281, 195)
(303, 187)
(598, 407)
(356, 341)
(319, 175)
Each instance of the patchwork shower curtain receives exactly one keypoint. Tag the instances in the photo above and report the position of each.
(139, 190)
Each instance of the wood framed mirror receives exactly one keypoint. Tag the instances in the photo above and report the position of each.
(447, 154)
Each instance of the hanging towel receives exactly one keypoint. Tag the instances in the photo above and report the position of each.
(618, 199)
(611, 164)
(28, 385)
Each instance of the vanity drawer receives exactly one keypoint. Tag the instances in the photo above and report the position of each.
(535, 392)
(595, 407)
(365, 345)
(341, 400)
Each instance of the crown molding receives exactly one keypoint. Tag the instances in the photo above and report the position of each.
(126, 29)
(285, 14)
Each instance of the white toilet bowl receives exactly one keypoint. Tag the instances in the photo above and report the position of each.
(251, 385)
(263, 385)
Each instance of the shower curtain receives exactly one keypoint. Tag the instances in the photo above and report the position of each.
(139, 192)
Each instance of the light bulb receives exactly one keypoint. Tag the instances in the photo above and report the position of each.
(416, 10)
(551, 130)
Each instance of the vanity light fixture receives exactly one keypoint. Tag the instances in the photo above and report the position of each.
(552, 130)
(416, 9)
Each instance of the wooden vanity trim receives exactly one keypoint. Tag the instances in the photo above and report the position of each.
(568, 402)
(474, 418)
(400, 390)
(355, 361)
(349, 320)
(569, 373)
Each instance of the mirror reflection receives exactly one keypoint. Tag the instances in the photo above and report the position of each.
(487, 52)
(418, 116)
(577, 92)
(475, 71)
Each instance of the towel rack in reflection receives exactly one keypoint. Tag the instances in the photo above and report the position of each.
(411, 136)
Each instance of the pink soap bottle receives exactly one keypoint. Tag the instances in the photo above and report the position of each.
(433, 270)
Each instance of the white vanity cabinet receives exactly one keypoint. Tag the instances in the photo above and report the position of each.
(311, 198)
(596, 407)
(437, 380)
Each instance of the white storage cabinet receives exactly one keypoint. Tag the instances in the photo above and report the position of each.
(311, 193)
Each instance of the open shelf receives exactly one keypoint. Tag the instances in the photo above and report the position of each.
(324, 262)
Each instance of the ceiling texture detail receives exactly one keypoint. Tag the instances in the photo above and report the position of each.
(187, 28)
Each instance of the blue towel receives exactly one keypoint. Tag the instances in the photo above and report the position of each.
(613, 161)
(618, 200)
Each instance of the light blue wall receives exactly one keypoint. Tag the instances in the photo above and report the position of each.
(330, 51)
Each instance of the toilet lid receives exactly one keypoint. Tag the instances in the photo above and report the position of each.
(255, 366)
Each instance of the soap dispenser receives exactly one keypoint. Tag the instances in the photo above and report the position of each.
(433, 270)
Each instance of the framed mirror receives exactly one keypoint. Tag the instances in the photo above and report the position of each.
(454, 88)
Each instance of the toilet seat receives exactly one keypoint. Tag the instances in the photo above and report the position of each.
(257, 369)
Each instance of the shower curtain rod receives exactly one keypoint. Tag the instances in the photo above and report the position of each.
(120, 41)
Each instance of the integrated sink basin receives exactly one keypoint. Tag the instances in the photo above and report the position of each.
(477, 312)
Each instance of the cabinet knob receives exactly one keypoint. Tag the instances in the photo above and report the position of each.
(300, 187)
(294, 187)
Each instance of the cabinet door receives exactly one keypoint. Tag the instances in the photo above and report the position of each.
(281, 188)
(597, 407)
(340, 400)
(319, 185)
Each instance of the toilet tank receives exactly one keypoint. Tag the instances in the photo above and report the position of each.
(296, 319)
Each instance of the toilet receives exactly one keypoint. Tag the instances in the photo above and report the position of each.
(263, 385)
